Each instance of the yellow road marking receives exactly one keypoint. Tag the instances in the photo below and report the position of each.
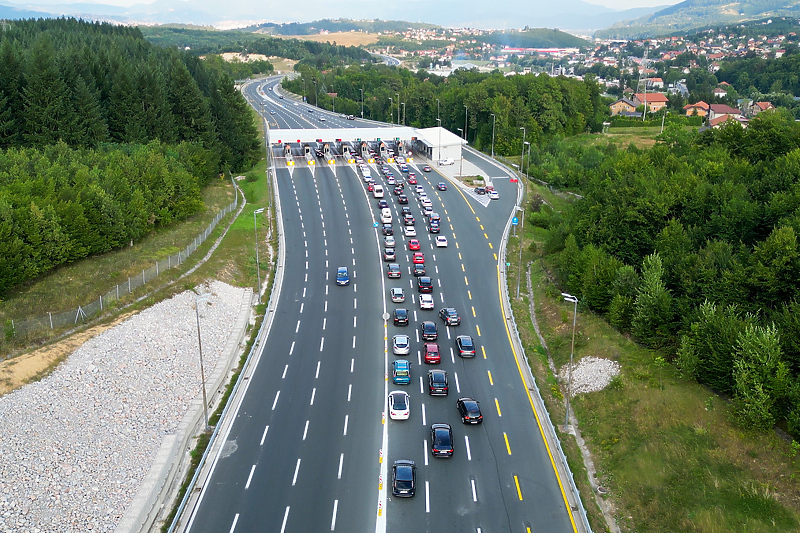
(508, 446)
(481, 227)
(477, 218)
(469, 294)
(535, 413)
(490, 246)
(487, 237)
(459, 256)
(456, 245)
(478, 329)
(484, 352)
(497, 404)
(462, 268)
(495, 257)
(491, 381)
(473, 311)
(466, 282)
(519, 491)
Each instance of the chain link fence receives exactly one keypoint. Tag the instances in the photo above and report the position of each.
(21, 328)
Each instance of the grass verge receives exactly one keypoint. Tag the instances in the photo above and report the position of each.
(663, 446)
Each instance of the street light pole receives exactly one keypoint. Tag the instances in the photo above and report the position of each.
(522, 155)
(200, 298)
(362, 103)
(391, 112)
(439, 148)
(519, 265)
(494, 119)
(466, 117)
(574, 300)
(404, 113)
(526, 143)
(460, 156)
(398, 107)
(258, 267)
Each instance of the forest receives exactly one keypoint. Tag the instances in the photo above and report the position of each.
(545, 106)
(104, 138)
(692, 248)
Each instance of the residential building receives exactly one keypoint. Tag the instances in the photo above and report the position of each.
(654, 101)
(622, 105)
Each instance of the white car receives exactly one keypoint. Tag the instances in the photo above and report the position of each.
(425, 301)
(419, 189)
(398, 295)
(410, 231)
(389, 242)
(441, 241)
(448, 161)
(391, 181)
(401, 345)
(494, 195)
(399, 405)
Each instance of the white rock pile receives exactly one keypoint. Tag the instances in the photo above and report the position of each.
(75, 446)
(590, 374)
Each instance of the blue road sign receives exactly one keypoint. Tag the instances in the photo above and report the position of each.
(374, 224)
(514, 221)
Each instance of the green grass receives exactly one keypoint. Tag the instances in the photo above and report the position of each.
(663, 446)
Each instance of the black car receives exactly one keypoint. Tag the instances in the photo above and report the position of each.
(393, 271)
(387, 229)
(402, 199)
(408, 219)
(433, 228)
(424, 284)
(382, 204)
(401, 317)
(465, 346)
(480, 190)
(470, 411)
(405, 210)
(427, 331)
(437, 382)
(419, 269)
(404, 478)
(398, 191)
(441, 440)
(449, 316)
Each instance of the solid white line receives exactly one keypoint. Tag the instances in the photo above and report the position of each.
(458, 387)
(346, 420)
(285, 517)
(321, 343)
(427, 498)
(305, 431)
(349, 391)
(250, 477)
(341, 462)
(423, 413)
(287, 366)
(264, 436)
(474, 492)
(316, 376)
(333, 520)
(469, 453)
(235, 519)
(313, 393)
(296, 470)
(274, 403)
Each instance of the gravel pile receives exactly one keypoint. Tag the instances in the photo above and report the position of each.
(75, 446)
(590, 374)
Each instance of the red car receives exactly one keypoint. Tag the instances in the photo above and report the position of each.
(432, 355)
(419, 258)
(412, 180)
(370, 187)
(413, 244)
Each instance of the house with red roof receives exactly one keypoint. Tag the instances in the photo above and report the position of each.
(654, 101)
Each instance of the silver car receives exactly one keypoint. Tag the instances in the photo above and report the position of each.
(401, 345)
(389, 241)
(398, 295)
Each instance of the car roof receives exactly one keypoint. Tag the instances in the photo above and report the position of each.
(437, 372)
(401, 363)
(440, 426)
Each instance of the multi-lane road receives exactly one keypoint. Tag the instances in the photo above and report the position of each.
(311, 444)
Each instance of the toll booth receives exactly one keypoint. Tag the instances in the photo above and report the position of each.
(308, 152)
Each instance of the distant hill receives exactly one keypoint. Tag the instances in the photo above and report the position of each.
(338, 25)
(697, 14)
(14, 13)
(535, 38)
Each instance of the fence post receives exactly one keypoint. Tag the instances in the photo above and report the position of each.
(156, 268)
(144, 280)
(101, 302)
(49, 314)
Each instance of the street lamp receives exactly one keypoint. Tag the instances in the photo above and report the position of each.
(437, 110)
(201, 298)
(494, 119)
(404, 113)
(522, 156)
(362, 103)
(572, 299)
(519, 264)
(258, 267)
(439, 148)
(460, 156)
(391, 113)
(315, 92)
(524, 144)
(398, 107)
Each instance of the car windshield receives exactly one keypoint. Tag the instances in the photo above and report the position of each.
(404, 475)
(401, 373)
(466, 342)
(443, 437)
(398, 401)
(401, 341)
(400, 312)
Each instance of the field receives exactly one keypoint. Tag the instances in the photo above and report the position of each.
(340, 38)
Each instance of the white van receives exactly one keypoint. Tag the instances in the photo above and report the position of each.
(386, 216)
(377, 191)
(446, 161)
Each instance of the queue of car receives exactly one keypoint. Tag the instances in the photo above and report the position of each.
(441, 440)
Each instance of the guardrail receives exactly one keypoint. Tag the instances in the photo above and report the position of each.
(52, 321)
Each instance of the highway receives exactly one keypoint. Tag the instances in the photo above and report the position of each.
(311, 445)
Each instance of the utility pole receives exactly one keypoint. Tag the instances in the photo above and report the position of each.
(494, 119)
(574, 300)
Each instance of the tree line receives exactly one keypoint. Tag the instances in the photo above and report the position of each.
(692, 247)
(545, 106)
(103, 138)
